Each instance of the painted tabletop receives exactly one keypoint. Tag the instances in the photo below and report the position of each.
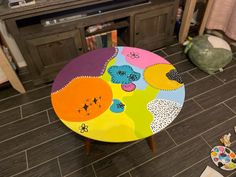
(118, 94)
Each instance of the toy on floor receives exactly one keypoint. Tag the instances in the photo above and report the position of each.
(224, 158)
(209, 53)
(226, 140)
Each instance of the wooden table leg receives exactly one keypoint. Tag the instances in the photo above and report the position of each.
(151, 143)
(87, 144)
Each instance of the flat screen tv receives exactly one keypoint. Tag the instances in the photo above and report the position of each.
(79, 12)
(112, 5)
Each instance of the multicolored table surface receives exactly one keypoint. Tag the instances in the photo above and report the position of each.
(118, 94)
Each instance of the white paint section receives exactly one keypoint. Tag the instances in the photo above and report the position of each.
(164, 112)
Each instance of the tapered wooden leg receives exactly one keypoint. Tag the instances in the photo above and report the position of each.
(87, 145)
(151, 143)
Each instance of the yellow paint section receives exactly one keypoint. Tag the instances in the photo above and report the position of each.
(155, 76)
(109, 127)
(137, 110)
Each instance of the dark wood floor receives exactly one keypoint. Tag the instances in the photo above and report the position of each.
(34, 143)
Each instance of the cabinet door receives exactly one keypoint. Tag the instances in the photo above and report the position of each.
(48, 54)
(153, 28)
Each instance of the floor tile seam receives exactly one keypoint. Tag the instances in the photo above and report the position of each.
(206, 141)
(205, 91)
(229, 67)
(172, 45)
(170, 55)
(196, 80)
(195, 96)
(27, 162)
(25, 82)
(164, 53)
(214, 75)
(54, 121)
(171, 137)
(92, 163)
(47, 141)
(130, 174)
(133, 168)
(28, 91)
(15, 121)
(189, 117)
(94, 172)
(45, 109)
(58, 156)
(190, 76)
(36, 100)
(96, 161)
(198, 104)
(191, 166)
(21, 113)
(179, 62)
(195, 77)
(48, 116)
(10, 156)
(66, 175)
(31, 168)
(156, 50)
(59, 166)
(5, 110)
(8, 123)
(229, 107)
(67, 152)
(26, 149)
(230, 175)
(201, 134)
(22, 133)
(11, 96)
(112, 153)
(188, 70)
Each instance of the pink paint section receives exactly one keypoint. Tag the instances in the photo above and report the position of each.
(142, 58)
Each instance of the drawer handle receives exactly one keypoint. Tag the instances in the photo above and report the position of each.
(137, 33)
(59, 43)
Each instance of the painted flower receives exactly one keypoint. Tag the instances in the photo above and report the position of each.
(123, 74)
(83, 128)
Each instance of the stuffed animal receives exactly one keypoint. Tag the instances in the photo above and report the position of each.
(209, 53)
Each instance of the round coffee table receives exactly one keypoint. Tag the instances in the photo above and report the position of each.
(118, 94)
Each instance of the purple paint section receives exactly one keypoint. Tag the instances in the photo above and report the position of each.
(89, 64)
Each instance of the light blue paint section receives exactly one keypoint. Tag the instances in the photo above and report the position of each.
(173, 95)
(120, 60)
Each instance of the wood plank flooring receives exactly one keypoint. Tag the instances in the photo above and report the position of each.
(33, 142)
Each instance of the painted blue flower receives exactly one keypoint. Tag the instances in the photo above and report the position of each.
(117, 106)
(123, 74)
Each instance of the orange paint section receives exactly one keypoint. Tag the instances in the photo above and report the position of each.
(82, 99)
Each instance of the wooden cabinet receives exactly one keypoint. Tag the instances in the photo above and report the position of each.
(48, 54)
(47, 48)
(153, 28)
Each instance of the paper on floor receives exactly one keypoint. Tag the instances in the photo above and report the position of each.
(210, 172)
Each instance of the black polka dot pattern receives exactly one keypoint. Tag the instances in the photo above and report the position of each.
(174, 75)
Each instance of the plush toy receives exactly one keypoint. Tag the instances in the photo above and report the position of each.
(209, 53)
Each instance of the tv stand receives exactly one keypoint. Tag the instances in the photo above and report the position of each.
(51, 35)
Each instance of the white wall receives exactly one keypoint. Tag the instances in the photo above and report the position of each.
(12, 45)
